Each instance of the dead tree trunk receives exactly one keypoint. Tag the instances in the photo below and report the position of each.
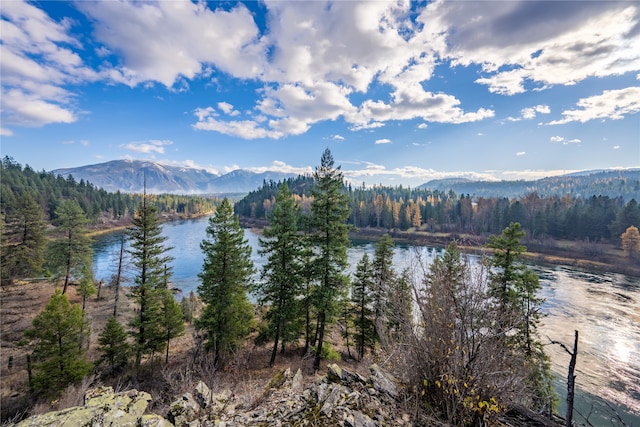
(571, 381)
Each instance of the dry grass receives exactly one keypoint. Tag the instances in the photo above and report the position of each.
(246, 374)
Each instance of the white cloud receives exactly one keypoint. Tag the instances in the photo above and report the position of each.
(148, 147)
(611, 104)
(422, 126)
(337, 138)
(383, 141)
(228, 109)
(166, 41)
(530, 113)
(616, 147)
(565, 141)
(5, 132)
(280, 166)
(37, 61)
(521, 153)
(523, 43)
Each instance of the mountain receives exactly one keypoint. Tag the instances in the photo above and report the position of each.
(613, 183)
(129, 176)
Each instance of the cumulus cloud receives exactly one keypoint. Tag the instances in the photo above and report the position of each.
(521, 153)
(166, 41)
(530, 113)
(383, 141)
(38, 60)
(337, 137)
(148, 147)
(611, 104)
(523, 44)
(227, 109)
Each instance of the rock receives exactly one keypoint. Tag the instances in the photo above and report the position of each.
(102, 408)
(383, 382)
(202, 394)
(153, 420)
(184, 410)
(334, 373)
(297, 383)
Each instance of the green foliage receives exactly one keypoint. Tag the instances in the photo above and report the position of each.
(384, 277)
(328, 353)
(70, 253)
(281, 273)
(150, 260)
(172, 319)
(189, 306)
(329, 213)
(86, 288)
(23, 239)
(225, 280)
(57, 336)
(361, 297)
(113, 346)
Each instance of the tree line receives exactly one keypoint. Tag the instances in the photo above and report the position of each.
(596, 218)
(49, 190)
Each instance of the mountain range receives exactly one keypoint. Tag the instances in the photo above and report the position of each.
(131, 176)
(613, 183)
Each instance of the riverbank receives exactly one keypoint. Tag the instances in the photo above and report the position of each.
(107, 225)
(592, 256)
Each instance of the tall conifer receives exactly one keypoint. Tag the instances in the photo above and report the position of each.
(329, 213)
(225, 280)
(150, 259)
(281, 285)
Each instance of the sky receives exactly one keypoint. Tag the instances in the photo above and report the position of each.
(400, 92)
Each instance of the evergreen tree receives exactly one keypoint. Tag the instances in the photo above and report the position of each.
(329, 213)
(384, 277)
(506, 268)
(86, 288)
(225, 280)
(150, 259)
(281, 283)
(361, 291)
(113, 346)
(24, 240)
(72, 252)
(172, 320)
(57, 336)
(401, 305)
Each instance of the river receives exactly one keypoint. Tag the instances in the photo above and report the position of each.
(603, 307)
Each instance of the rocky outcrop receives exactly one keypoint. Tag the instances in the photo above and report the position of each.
(102, 407)
(341, 398)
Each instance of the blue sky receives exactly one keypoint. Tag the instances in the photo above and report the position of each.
(401, 92)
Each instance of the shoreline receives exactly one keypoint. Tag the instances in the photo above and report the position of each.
(471, 243)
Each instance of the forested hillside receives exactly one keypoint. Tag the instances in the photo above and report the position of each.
(610, 183)
(596, 218)
(48, 190)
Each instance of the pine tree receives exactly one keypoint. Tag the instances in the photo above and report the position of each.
(172, 320)
(329, 213)
(506, 268)
(281, 283)
(57, 336)
(86, 288)
(225, 280)
(361, 292)
(73, 251)
(150, 259)
(24, 240)
(384, 277)
(113, 346)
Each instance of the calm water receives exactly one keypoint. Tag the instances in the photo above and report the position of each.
(605, 308)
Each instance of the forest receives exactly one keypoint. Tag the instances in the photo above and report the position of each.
(48, 190)
(594, 219)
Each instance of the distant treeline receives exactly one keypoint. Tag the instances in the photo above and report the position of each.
(49, 190)
(596, 218)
